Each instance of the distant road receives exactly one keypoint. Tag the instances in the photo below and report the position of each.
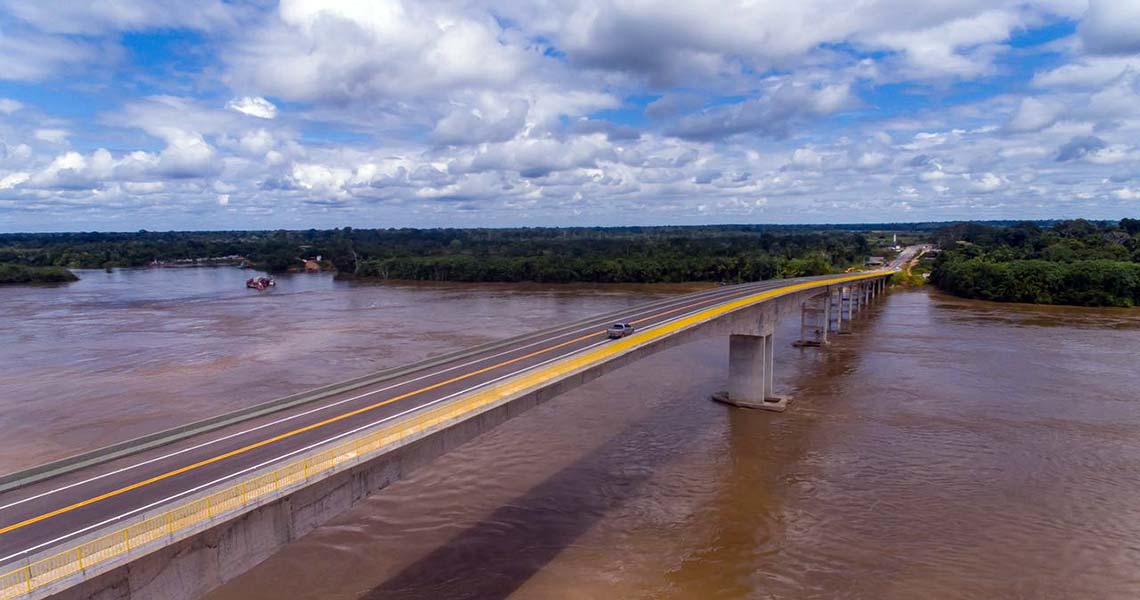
(908, 254)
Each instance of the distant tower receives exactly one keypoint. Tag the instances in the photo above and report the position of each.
(894, 239)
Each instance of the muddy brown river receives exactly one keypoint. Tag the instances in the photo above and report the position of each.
(945, 449)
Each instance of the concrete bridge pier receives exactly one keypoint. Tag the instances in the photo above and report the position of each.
(846, 308)
(815, 321)
(751, 360)
(835, 310)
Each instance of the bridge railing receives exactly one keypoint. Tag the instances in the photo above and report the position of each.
(177, 522)
(166, 526)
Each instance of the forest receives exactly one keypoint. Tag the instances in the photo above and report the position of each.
(1075, 262)
(10, 273)
(726, 253)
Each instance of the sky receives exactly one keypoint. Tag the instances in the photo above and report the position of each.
(120, 115)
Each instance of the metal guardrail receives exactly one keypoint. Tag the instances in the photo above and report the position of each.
(235, 499)
(167, 525)
(68, 464)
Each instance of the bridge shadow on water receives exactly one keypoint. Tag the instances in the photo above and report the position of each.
(495, 557)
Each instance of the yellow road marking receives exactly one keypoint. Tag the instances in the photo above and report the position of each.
(310, 427)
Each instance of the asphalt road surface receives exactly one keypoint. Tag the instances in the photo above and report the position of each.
(56, 510)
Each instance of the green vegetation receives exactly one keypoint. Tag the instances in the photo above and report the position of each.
(621, 254)
(909, 278)
(642, 255)
(1073, 262)
(10, 273)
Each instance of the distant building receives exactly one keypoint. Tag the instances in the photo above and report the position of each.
(876, 261)
(312, 265)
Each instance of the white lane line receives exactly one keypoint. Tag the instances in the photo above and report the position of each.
(326, 441)
(286, 455)
(325, 407)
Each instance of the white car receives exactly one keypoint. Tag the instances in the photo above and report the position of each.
(619, 330)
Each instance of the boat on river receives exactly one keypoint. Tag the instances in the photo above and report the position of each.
(260, 283)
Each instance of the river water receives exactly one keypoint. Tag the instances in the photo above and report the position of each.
(946, 449)
(121, 354)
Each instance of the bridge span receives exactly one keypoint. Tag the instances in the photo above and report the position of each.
(175, 514)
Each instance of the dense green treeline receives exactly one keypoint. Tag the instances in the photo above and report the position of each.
(672, 259)
(10, 273)
(1073, 262)
(620, 254)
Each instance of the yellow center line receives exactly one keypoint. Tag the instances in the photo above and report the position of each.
(317, 425)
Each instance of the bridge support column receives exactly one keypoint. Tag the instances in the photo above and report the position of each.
(835, 310)
(846, 307)
(750, 368)
(815, 321)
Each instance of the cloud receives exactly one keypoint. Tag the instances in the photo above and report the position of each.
(1110, 27)
(920, 160)
(771, 115)
(1079, 147)
(585, 111)
(9, 106)
(1127, 194)
(344, 51)
(91, 18)
(73, 171)
(52, 136)
(31, 56)
(807, 158)
(253, 106)
(12, 180)
(988, 182)
(1034, 114)
(488, 121)
(670, 105)
(186, 155)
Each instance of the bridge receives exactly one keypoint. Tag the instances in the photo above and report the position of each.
(174, 514)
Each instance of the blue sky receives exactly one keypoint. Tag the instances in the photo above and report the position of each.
(387, 113)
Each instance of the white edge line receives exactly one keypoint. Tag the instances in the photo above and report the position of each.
(294, 416)
(288, 454)
(320, 443)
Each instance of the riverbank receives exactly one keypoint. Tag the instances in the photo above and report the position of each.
(12, 274)
(665, 254)
(1078, 263)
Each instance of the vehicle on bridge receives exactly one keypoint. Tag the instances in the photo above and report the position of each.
(619, 330)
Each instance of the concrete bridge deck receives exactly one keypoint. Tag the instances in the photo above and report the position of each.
(73, 527)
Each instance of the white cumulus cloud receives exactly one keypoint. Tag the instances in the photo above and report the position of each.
(253, 106)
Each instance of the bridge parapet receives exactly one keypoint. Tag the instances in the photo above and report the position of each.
(264, 507)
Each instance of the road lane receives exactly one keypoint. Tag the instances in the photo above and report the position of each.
(44, 518)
